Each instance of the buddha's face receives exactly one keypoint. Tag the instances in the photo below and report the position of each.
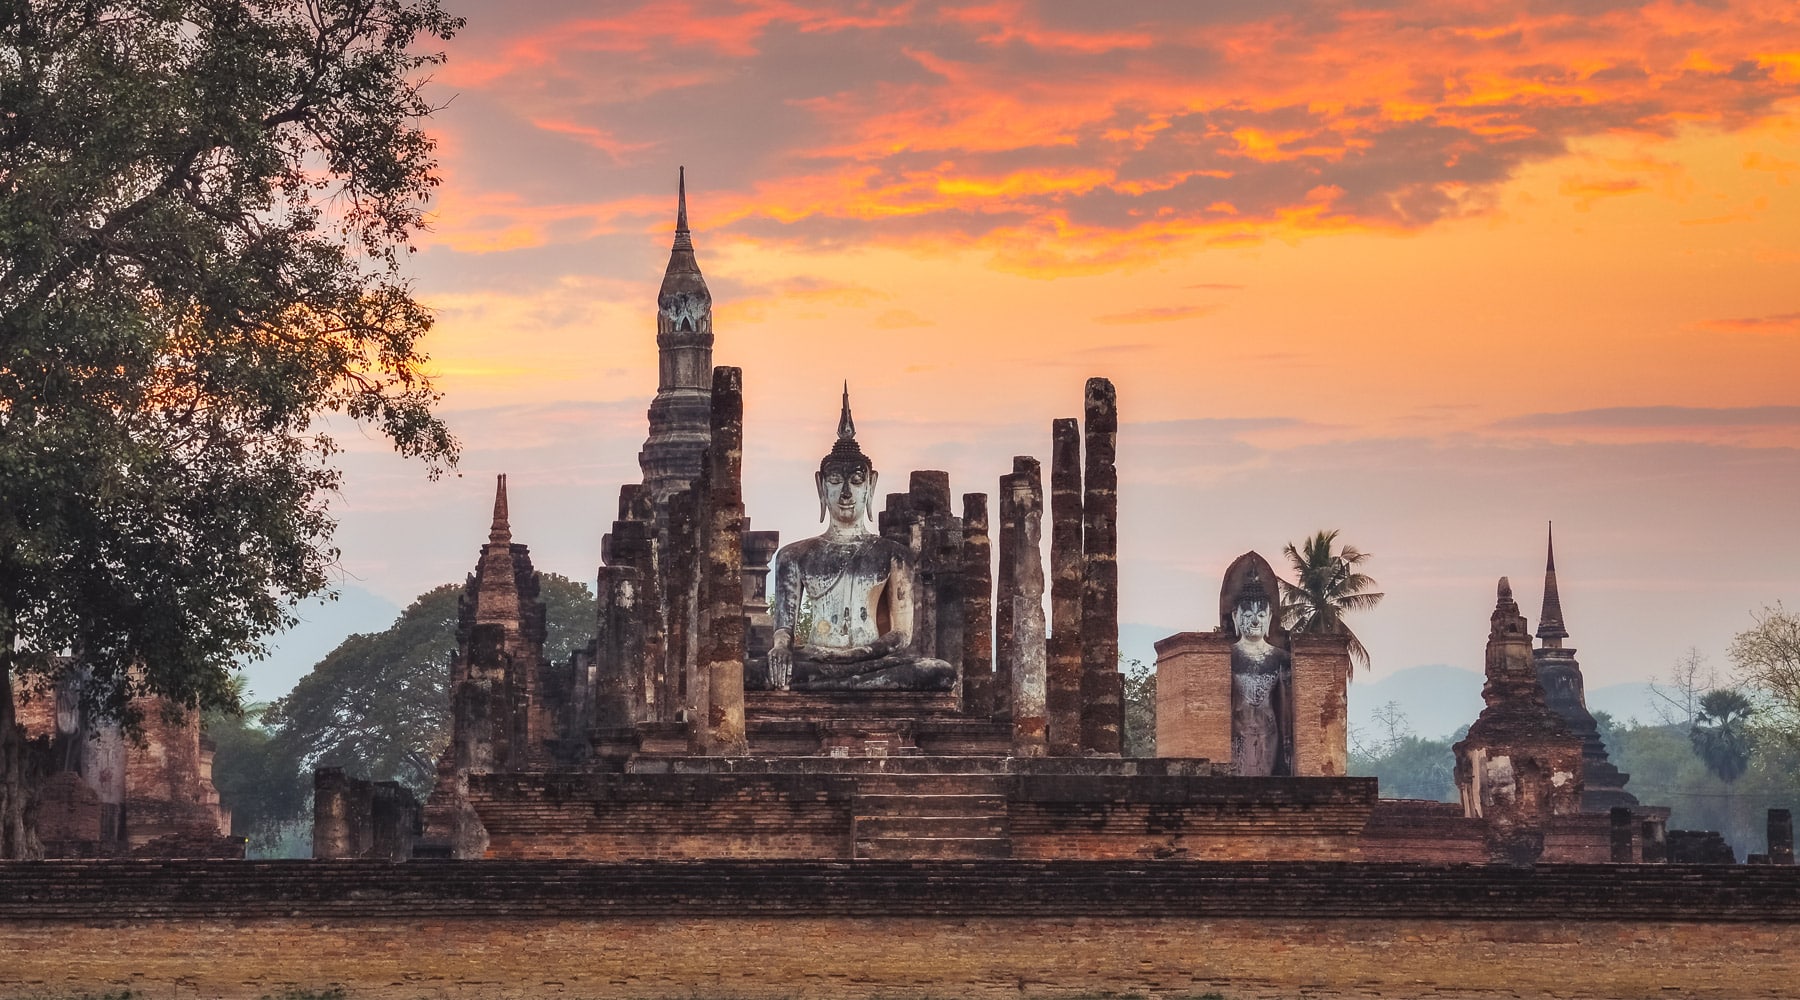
(1252, 619)
(844, 494)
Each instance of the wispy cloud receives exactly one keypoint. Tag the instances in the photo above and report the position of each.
(1776, 323)
(1155, 314)
(1645, 417)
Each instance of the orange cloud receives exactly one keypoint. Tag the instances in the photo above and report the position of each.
(1004, 122)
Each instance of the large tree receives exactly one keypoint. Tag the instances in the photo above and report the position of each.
(1766, 657)
(204, 206)
(379, 705)
(1330, 584)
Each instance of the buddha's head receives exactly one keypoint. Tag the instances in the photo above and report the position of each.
(846, 478)
(1254, 612)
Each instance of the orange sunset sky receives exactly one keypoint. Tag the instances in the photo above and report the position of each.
(1432, 273)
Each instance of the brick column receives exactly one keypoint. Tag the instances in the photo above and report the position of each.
(1066, 573)
(1193, 696)
(1024, 494)
(722, 638)
(978, 608)
(1320, 705)
(938, 631)
(1102, 686)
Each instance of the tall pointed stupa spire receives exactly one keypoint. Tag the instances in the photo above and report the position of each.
(683, 239)
(501, 531)
(1550, 622)
(681, 413)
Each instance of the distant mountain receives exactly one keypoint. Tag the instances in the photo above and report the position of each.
(323, 625)
(1436, 700)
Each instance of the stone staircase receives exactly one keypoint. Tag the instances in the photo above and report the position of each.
(918, 816)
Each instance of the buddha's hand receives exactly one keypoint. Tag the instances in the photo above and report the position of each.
(781, 660)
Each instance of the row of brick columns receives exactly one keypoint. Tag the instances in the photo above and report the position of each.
(1056, 683)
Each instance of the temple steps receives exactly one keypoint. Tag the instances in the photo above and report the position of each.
(871, 805)
(932, 816)
(882, 848)
(928, 827)
(915, 784)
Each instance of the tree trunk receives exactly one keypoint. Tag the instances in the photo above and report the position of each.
(18, 838)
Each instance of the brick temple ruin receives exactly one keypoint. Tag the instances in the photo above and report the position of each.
(114, 794)
(903, 693)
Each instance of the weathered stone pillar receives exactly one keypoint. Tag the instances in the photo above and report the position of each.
(937, 625)
(978, 608)
(1005, 579)
(895, 521)
(684, 696)
(618, 671)
(759, 549)
(1781, 837)
(1102, 686)
(722, 639)
(1024, 491)
(1622, 840)
(630, 547)
(1063, 670)
(331, 814)
(1656, 841)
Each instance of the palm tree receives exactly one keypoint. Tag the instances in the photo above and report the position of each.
(1329, 587)
(1720, 735)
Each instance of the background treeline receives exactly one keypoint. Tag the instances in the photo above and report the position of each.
(377, 706)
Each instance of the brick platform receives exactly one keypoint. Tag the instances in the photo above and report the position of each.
(849, 931)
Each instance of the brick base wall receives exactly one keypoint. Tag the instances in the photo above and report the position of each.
(848, 932)
(869, 958)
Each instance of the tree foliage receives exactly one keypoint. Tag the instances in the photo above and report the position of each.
(1330, 585)
(378, 705)
(204, 206)
(1721, 734)
(1407, 766)
(1766, 658)
(264, 796)
(1665, 771)
(1140, 709)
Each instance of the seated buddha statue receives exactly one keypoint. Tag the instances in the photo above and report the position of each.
(843, 601)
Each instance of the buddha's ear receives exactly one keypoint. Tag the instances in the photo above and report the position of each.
(869, 500)
(819, 487)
